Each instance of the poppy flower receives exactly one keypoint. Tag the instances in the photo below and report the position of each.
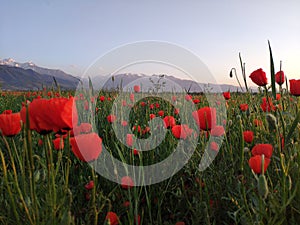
(124, 123)
(143, 104)
(151, 106)
(111, 118)
(161, 113)
(152, 116)
(278, 97)
(136, 152)
(267, 106)
(259, 77)
(260, 149)
(131, 97)
(102, 98)
(169, 121)
(181, 131)
(196, 101)
(244, 107)
(295, 87)
(136, 88)
(90, 185)
(46, 115)
(180, 223)
(174, 98)
(136, 128)
(205, 117)
(257, 122)
(137, 219)
(126, 204)
(248, 136)
(279, 77)
(129, 139)
(126, 182)
(226, 95)
(255, 163)
(10, 123)
(112, 218)
(86, 147)
(214, 146)
(176, 111)
(188, 97)
(217, 131)
(157, 105)
(58, 143)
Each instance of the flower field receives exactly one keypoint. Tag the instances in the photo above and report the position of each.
(49, 139)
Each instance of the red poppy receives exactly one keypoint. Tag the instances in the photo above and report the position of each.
(143, 104)
(157, 105)
(151, 106)
(136, 88)
(196, 101)
(188, 97)
(176, 111)
(255, 163)
(131, 97)
(259, 77)
(279, 77)
(295, 87)
(129, 139)
(244, 107)
(136, 128)
(226, 95)
(126, 204)
(161, 113)
(102, 98)
(214, 146)
(267, 106)
(136, 152)
(90, 185)
(46, 115)
(124, 123)
(152, 116)
(263, 149)
(205, 117)
(181, 131)
(126, 182)
(10, 123)
(58, 143)
(174, 98)
(111, 118)
(180, 223)
(112, 218)
(217, 131)
(278, 97)
(169, 121)
(137, 219)
(257, 123)
(86, 147)
(248, 136)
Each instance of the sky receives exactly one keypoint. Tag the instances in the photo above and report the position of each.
(72, 34)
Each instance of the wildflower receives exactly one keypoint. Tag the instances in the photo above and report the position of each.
(111, 118)
(279, 77)
(112, 218)
(136, 88)
(126, 182)
(217, 131)
(129, 140)
(161, 113)
(86, 147)
(244, 107)
(181, 131)
(226, 95)
(58, 143)
(295, 87)
(205, 117)
(266, 149)
(255, 163)
(214, 146)
(248, 136)
(10, 123)
(259, 77)
(90, 185)
(169, 121)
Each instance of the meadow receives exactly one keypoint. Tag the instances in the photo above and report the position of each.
(46, 176)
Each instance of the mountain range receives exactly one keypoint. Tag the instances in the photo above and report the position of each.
(28, 76)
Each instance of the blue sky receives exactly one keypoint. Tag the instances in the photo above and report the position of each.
(71, 34)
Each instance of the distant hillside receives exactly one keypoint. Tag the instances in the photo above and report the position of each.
(163, 83)
(17, 78)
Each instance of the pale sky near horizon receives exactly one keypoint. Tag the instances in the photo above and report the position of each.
(71, 34)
